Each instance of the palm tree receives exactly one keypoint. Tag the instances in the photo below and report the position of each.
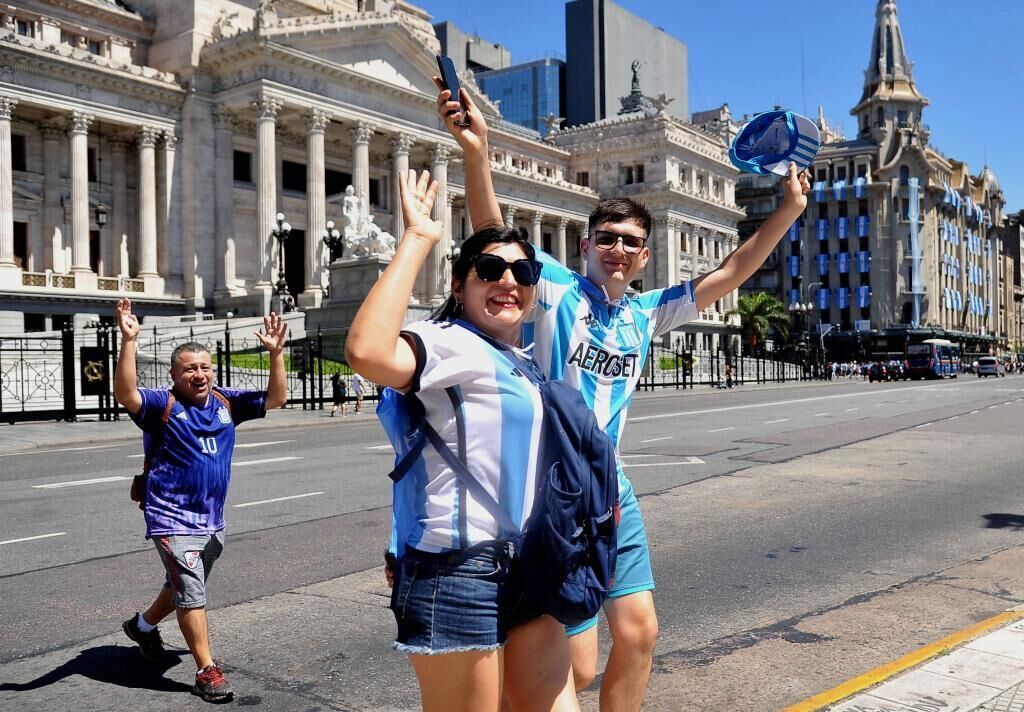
(758, 314)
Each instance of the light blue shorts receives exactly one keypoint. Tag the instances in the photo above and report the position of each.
(633, 564)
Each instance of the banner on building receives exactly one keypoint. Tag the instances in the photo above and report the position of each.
(839, 189)
(860, 187)
(863, 296)
(863, 261)
(843, 228)
(794, 296)
(819, 191)
(821, 228)
(794, 266)
(843, 297)
(823, 299)
(822, 264)
(863, 223)
(843, 262)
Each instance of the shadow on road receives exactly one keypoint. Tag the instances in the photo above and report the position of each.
(112, 664)
(1004, 521)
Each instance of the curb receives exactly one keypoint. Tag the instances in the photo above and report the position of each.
(885, 672)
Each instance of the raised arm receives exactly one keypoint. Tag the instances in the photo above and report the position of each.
(739, 265)
(374, 346)
(273, 338)
(472, 139)
(126, 389)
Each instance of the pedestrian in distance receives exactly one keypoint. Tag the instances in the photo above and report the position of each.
(358, 386)
(588, 331)
(728, 376)
(339, 393)
(457, 596)
(188, 438)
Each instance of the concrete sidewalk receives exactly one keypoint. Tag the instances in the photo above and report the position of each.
(978, 668)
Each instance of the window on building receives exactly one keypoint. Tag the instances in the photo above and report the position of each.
(862, 170)
(293, 176)
(35, 322)
(95, 47)
(700, 245)
(243, 167)
(862, 207)
(375, 194)
(716, 252)
(718, 305)
(94, 251)
(901, 117)
(583, 178)
(904, 175)
(93, 165)
(25, 28)
(68, 38)
(905, 209)
(633, 174)
(19, 153)
(843, 209)
(335, 182)
(844, 279)
(822, 175)
(546, 242)
(841, 173)
(880, 117)
(716, 188)
(21, 244)
(823, 211)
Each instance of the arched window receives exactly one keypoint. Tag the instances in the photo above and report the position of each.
(904, 175)
(880, 117)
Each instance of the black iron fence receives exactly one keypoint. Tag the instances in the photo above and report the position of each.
(65, 375)
(669, 368)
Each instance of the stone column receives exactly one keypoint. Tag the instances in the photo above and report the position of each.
(361, 136)
(563, 223)
(437, 272)
(7, 105)
(694, 237)
(166, 225)
(53, 216)
(400, 147)
(510, 216)
(316, 206)
(224, 181)
(266, 185)
(537, 234)
(119, 265)
(674, 251)
(80, 191)
(148, 264)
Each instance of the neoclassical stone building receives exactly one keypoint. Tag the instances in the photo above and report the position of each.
(146, 147)
(897, 235)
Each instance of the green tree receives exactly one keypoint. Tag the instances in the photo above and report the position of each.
(759, 314)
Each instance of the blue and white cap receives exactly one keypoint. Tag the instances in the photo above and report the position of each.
(769, 142)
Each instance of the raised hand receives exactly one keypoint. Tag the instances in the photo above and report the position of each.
(274, 335)
(126, 321)
(795, 188)
(471, 138)
(417, 199)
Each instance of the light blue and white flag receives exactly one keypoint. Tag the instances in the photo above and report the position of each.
(821, 228)
(863, 261)
(843, 262)
(823, 298)
(842, 228)
(794, 266)
(863, 223)
(863, 296)
(822, 264)
(843, 297)
(839, 189)
(794, 232)
(860, 187)
(819, 191)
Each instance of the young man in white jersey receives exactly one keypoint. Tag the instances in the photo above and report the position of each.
(587, 331)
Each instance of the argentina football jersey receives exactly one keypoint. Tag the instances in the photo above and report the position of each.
(490, 415)
(598, 345)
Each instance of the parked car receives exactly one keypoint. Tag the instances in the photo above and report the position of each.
(988, 366)
(895, 371)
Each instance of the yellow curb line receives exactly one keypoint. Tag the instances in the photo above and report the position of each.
(879, 674)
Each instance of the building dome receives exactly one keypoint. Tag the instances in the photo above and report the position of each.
(989, 181)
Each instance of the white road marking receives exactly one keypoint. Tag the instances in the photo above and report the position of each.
(775, 404)
(719, 430)
(992, 406)
(850, 410)
(923, 425)
(654, 440)
(818, 415)
(61, 449)
(645, 455)
(266, 461)
(689, 461)
(134, 457)
(32, 538)
(76, 483)
(279, 499)
(954, 417)
(379, 447)
(974, 412)
(270, 442)
(780, 420)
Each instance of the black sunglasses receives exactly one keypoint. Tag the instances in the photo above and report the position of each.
(630, 243)
(490, 268)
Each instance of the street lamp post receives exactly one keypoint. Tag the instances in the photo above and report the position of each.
(281, 232)
(335, 244)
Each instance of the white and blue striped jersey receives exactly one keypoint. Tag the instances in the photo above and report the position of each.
(490, 415)
(599, 346)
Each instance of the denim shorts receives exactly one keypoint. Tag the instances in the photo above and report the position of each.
(456, 601)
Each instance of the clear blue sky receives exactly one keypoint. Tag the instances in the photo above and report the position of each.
(967, 60)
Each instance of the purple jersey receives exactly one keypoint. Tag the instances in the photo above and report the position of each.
(190, 458)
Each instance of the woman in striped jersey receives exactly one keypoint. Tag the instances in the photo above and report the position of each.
(455, 595)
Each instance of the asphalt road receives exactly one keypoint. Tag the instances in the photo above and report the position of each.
(765, 508)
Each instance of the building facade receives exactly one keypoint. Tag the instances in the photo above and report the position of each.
(531, 94)
(602, 40)
(147, 153)
(470, 52)
(896, 234)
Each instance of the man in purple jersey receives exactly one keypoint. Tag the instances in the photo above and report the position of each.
(189, 436)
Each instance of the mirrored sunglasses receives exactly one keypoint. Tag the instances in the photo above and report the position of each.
(630, 243)
(490, 268)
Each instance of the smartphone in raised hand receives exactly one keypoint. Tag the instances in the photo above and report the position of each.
(450, 81)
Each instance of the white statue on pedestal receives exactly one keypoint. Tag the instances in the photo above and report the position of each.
(363, 237)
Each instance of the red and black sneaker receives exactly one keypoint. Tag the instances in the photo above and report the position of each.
(150, 644)
(211, 684)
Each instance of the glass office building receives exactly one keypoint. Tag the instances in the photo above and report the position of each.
(527, 92)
